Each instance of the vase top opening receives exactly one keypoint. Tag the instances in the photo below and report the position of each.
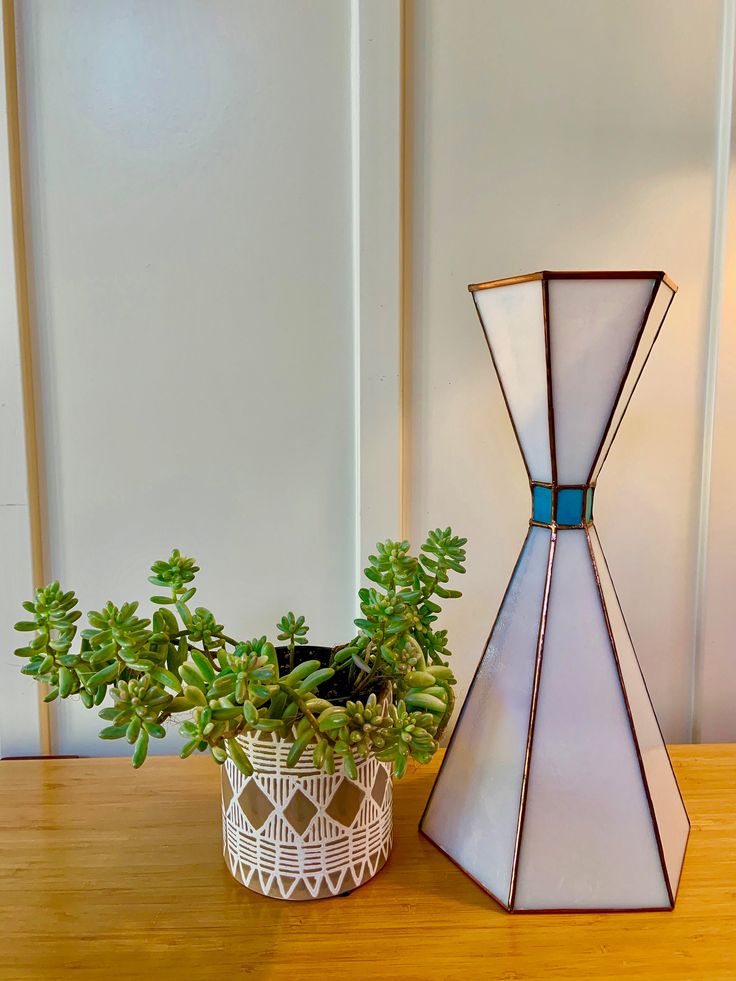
(576, 274)
(569, 348)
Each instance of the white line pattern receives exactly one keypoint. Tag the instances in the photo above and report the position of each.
(336, 834)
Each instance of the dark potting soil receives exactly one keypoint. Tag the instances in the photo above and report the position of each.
(339, 688)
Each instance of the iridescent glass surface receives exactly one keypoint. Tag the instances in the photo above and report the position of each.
(557, 792)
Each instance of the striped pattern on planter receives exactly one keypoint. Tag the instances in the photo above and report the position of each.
(299, 833)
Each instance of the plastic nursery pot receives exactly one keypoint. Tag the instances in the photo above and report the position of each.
(297, 832)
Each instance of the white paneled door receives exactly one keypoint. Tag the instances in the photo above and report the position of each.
(206, 335)
(236, 240)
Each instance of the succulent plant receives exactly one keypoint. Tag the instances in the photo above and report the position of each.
(386, 692)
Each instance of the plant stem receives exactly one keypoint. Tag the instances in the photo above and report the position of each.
(199, 650)
(295, 696)
(448, 712)
(373, 668)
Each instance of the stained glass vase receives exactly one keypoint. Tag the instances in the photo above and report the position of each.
(557, 792)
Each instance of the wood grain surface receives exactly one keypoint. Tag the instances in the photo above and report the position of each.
(107, 873)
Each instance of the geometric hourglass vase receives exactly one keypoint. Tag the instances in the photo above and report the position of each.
(556, 792)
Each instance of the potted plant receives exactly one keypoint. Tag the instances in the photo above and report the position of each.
(308, 737)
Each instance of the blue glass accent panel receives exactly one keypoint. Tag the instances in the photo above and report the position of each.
(541, 504)
(569, 506)
(589, 504)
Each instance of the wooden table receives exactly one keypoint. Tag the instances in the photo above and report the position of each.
(112, 874)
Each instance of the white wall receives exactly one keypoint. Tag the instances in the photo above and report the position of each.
(216, 226)
(188, 184)
(566, 135)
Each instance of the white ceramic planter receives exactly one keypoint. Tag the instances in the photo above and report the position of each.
(298, 833)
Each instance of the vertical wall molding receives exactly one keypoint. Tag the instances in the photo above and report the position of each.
(376, 141)
(714, 670)
(406, 258)
(24, 721)
(712, 350)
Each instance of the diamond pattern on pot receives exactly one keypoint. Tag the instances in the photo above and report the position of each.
(379, 786)
(345, 803)
(256, 805)
(299, 812)
(299, 833)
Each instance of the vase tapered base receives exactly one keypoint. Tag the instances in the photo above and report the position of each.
(557, 793)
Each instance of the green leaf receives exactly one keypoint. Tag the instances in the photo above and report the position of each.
(300, 672)
(113, 732)
(179, 704)
(134, 727)
(195, 695)
(26, 625)
(315, 679)
(351, 770)
(223, 714)
(420, 679)
(424, 701)
(176, 656)
(66, 682)
(332, 718)
(304, 725)
(166, 678)
(104, 676)
(344, 655)
(447, 593)
(141, 749)
(191, 676)
(238, 757)
(204, 666)
(298, 747)
(154, 729)
(259, 691)
(189, 747)
(184, 613)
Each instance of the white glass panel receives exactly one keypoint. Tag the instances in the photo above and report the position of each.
(593, 325)
(649, 335)
(668, 807)
(513, 319)
(474, 810)
(588, 839)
